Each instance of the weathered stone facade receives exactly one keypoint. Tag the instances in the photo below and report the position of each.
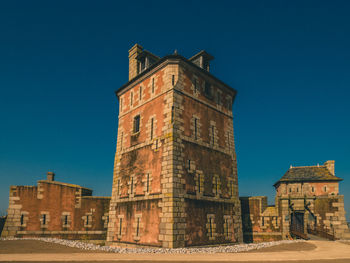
(55, 209)
(307, 201)
(175, 155)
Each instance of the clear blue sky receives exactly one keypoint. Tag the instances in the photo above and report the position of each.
(61, 61)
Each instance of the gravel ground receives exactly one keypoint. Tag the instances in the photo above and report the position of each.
(210, 250)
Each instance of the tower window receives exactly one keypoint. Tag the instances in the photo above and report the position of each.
(65, 220)
(120, 226)
(195, 128)
(136, 123)
(325, 189)
(152, 85)
(147, 184)
(207, 89)
(151, 128)
(138, 226)
(172, 114)
(140, 95)
(44, 219)
(173, 79)
(213, 135)
(22, 220)
(199, 183)
(195, 86)
(312, 189)
(132, 185)
(131, 97)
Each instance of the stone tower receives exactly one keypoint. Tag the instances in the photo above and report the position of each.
(175, 172)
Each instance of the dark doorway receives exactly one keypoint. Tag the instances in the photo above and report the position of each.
(297, 223)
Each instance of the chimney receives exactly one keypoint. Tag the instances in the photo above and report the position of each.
(50, 176)
(330, 166)
(133, 63)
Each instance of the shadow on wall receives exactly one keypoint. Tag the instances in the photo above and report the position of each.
(2, 223)
(246, 221)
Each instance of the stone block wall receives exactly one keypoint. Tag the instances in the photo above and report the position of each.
(181, 131)
(54, 209)
(261, 223)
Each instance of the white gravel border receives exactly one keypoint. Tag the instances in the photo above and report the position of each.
(189, 250)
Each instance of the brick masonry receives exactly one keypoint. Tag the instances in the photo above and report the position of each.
(55, 209)
(319, 204)
(185, 145)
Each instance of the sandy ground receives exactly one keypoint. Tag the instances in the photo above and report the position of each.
(305, 252)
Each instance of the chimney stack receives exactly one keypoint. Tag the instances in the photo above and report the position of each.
(50, 176)
(133, 63)
(330, 166)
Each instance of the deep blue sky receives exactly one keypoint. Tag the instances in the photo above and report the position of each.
(61, 61)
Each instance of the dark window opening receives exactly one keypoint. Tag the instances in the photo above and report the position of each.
(132, 185)
(140, 90)
(172, 114)
(210, 227)
(44, 219)
(22, 220)
(65, 220)
(138, 227)
(152, 85)
(147, 184)
(120, 226)
(151, 128)
(199, 183)
(137, 124)
(173, 80)
(131, 98)
(207, 89)
(195, 128)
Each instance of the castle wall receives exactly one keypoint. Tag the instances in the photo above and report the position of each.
(56, 210)
(261, 223)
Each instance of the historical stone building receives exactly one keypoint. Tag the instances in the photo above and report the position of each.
(175, 175)
(55, 209)
(307, 201)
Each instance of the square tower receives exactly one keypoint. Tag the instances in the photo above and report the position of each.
(175, 171)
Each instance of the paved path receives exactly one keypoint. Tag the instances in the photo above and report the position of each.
(325, 250)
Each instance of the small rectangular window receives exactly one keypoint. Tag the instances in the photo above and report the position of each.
(136, 123)
(195, 128)
(22, 220)
(152, 129)
(132, 185)
(147, 184)
(218, 98)
(65, 220)
(121, 141)
(172, 114)
(189, 164)
(207, 89)
(213, 134)
(140, 90)
(44, 219)
(263, 221)
(152, 85)
(312, 189)
(173, 80)
(138, 226)
(131, 97)
(210, 227)
(199, 183)
(120, 226)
